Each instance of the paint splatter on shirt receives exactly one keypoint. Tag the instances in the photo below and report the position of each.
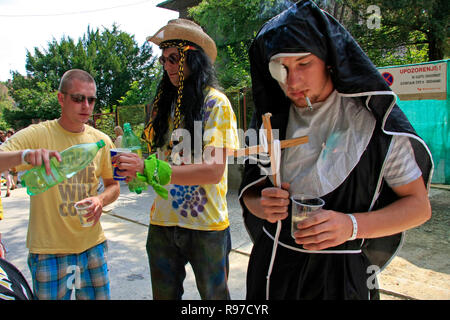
(202, 207)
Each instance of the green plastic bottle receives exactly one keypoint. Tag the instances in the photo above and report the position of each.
(132, 142)
(73, 159)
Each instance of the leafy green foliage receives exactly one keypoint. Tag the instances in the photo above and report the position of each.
(233, 24)
(111, 56)
(409, 31)
(143, 90)
(34, 100)
(106, 123)
(6, 103)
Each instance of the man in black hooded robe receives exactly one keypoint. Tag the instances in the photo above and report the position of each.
(363, 158)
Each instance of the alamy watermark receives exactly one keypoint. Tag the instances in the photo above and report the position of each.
(374, 19)
(188, 150)
(74, 280)
(373, 270)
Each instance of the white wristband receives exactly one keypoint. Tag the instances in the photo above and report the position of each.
(24, 154)
(355, 227)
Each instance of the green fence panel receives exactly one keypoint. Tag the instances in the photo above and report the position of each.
(429, 117)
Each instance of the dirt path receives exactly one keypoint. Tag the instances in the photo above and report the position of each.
(422, 268)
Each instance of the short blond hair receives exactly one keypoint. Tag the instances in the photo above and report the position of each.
(66, 80)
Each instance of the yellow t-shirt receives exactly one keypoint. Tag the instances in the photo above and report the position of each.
(202, 207)
(54, 227)
(1, 209)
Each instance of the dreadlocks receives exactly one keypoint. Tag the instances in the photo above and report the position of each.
(188, 97)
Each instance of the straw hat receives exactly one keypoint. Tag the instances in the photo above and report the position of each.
(183, 29)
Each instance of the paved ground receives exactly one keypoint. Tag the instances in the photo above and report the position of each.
(125, 225)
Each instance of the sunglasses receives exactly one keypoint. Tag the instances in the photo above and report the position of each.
(80, 98)
(172, 59)
(175, 58)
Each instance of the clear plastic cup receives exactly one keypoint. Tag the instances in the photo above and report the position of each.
(302, 207)
(82, 210)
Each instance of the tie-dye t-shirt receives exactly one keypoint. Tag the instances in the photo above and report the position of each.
(201, 207)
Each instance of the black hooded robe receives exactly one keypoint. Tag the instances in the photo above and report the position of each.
(297, 275)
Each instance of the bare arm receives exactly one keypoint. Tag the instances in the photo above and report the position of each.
(411, 210)
(111, 192)
(36, 157)
(109, 195)
(210, 171)
(9, 159)
(329, 228)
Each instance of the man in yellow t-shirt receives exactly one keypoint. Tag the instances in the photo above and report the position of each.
(60, 248)
(191, 224)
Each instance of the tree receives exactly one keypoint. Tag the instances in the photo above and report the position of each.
(6, 103)
(396, 32)
(34, 100)
(112, 57)
(402, 32)
(233, 24)
(409, 31)
(143, 91)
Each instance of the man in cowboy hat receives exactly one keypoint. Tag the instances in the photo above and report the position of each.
(363, 158)
(189, 219)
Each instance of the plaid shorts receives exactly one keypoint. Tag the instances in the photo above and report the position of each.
(56, 275)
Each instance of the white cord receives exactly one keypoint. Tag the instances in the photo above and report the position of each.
(263, 139)
(272, 259)
(276, 153)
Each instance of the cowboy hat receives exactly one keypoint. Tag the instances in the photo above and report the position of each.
(183, 29)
